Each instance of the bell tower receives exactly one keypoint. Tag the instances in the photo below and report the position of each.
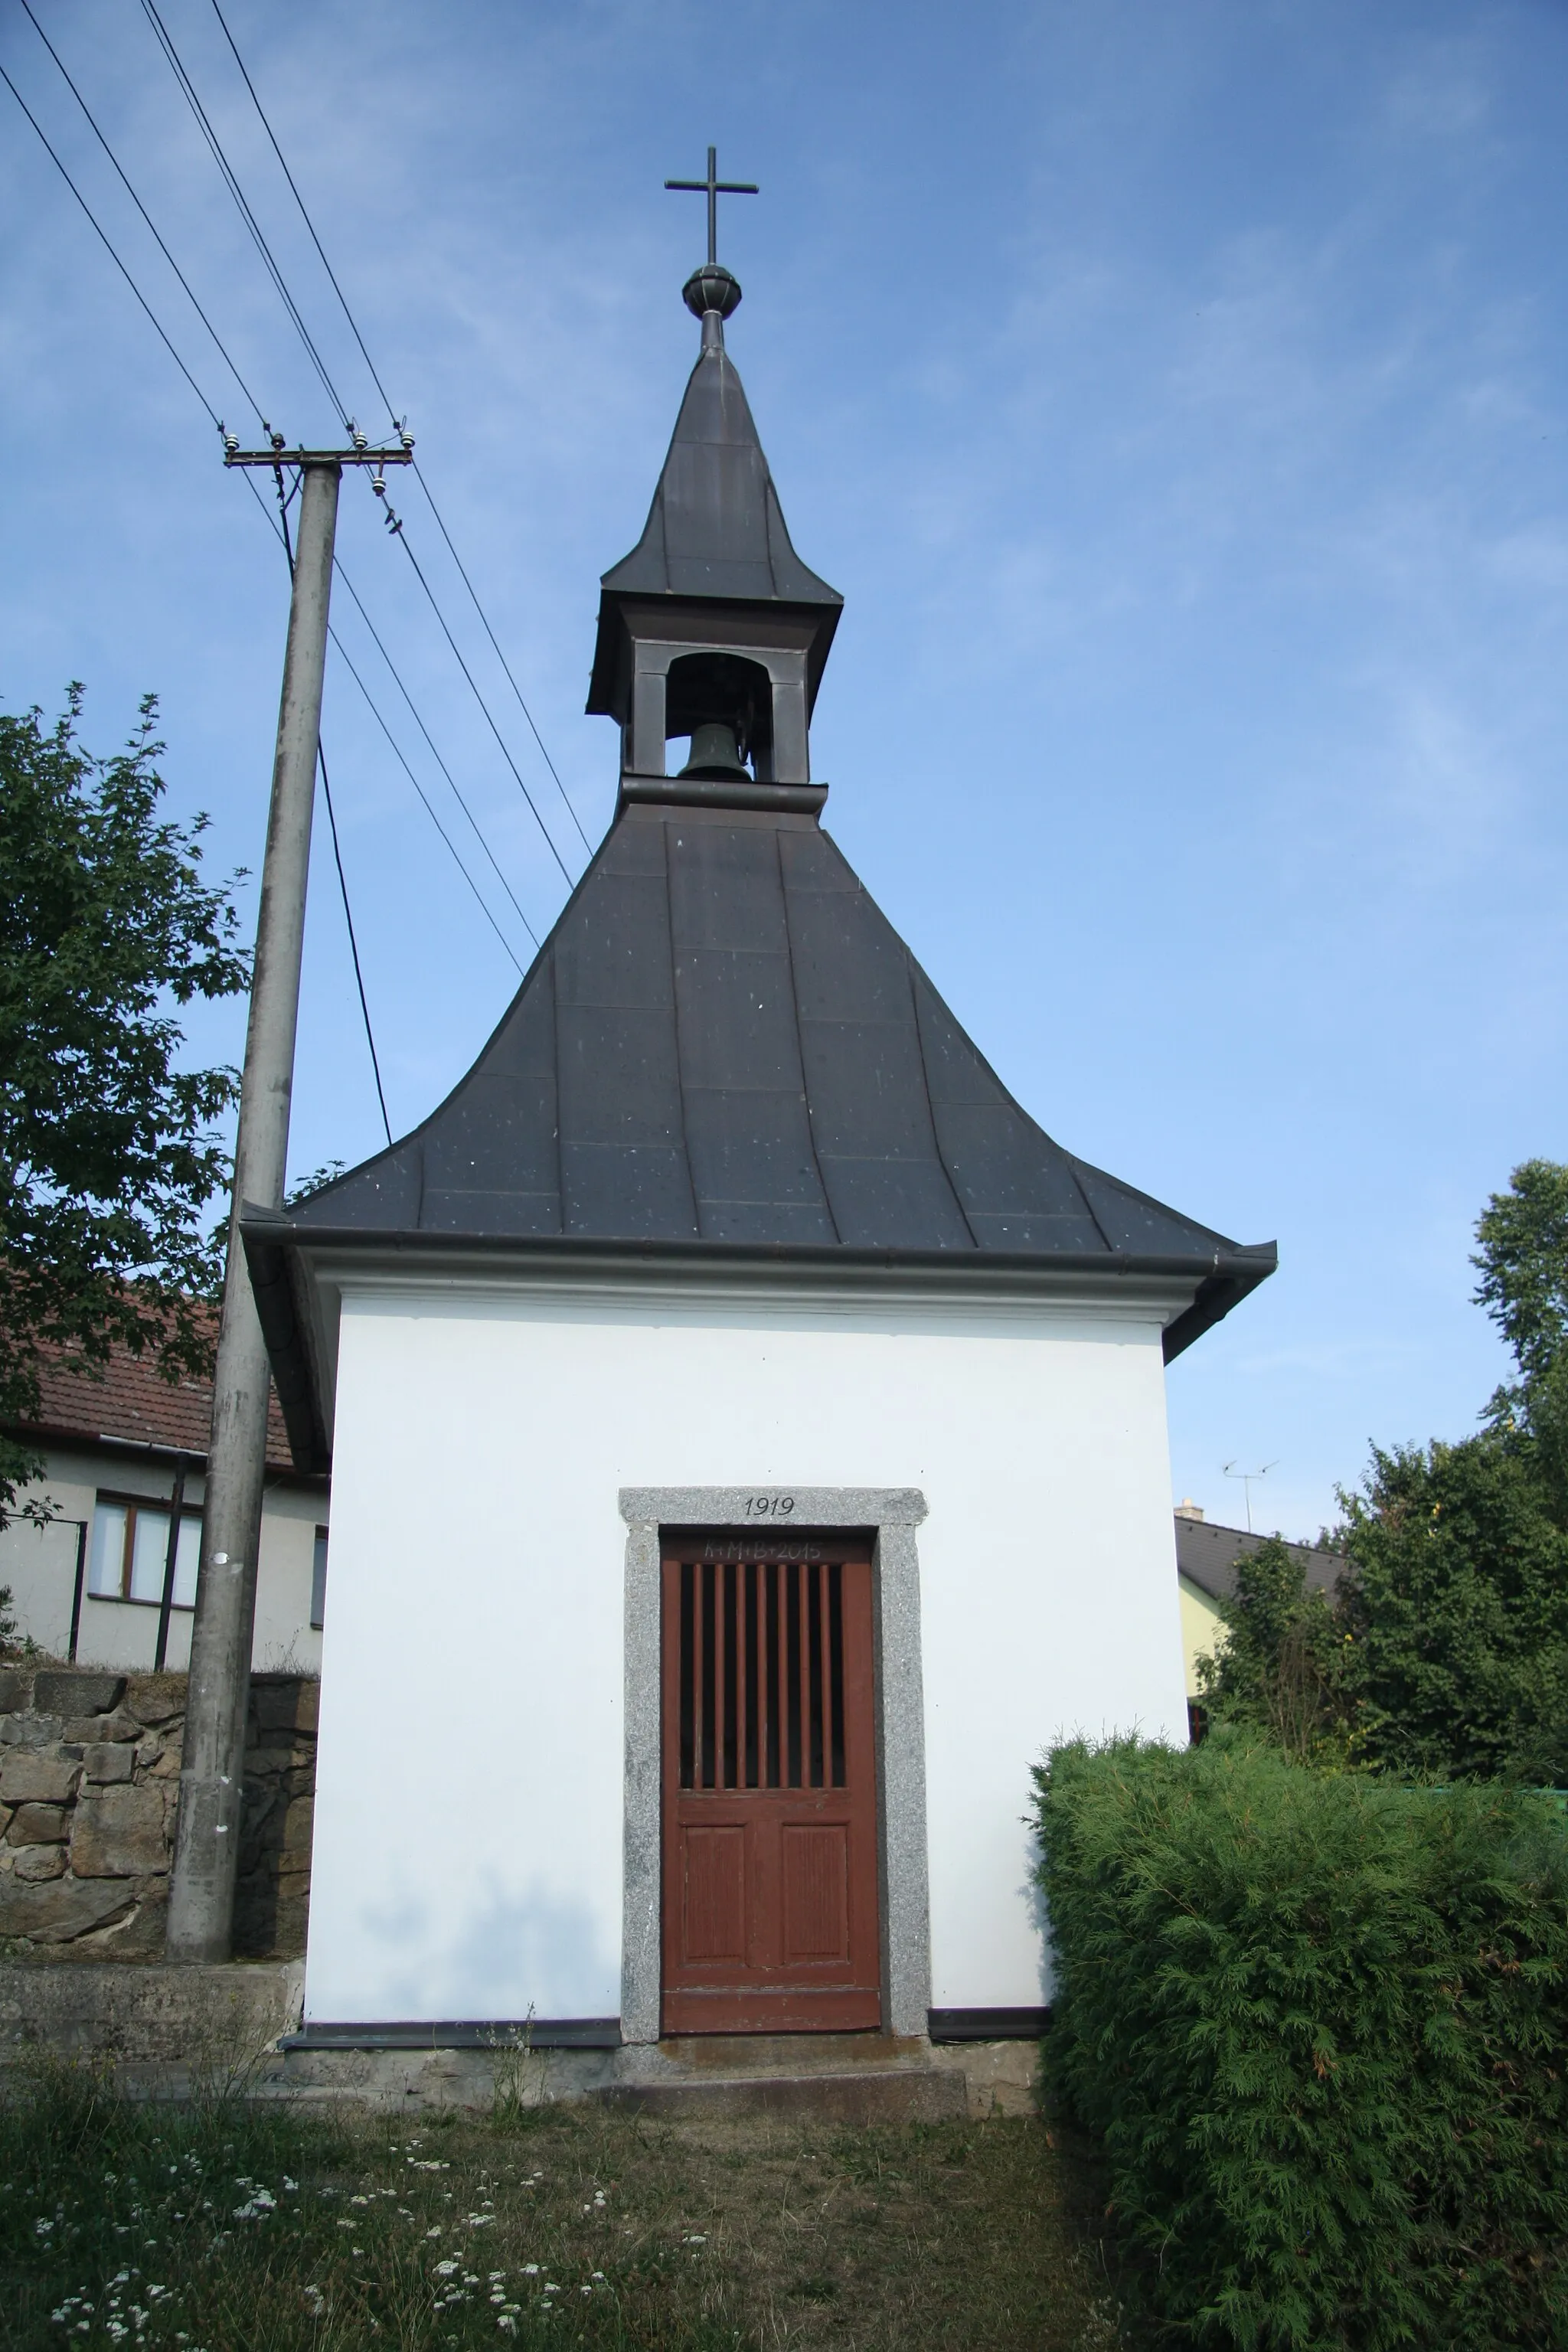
(713, 629)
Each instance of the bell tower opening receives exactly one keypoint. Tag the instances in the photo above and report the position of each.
(723, 703)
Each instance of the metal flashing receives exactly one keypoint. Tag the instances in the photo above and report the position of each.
(504, 2034)
(988, 2024)
(706, 791)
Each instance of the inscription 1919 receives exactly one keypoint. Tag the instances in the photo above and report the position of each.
(769, 1507)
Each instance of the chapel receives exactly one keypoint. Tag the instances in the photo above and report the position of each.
(747, 1426)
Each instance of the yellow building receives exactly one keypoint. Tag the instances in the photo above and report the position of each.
(1207, 1557)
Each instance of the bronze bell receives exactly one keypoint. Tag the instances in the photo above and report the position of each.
(714, 751)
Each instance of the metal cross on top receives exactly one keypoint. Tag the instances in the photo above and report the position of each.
(712, 187)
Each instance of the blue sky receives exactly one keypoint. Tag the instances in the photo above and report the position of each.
(1175, 394)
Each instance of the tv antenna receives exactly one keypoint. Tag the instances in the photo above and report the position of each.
(1247, 1477)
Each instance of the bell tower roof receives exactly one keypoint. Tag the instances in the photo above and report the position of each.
(716, 526)
(715, 531)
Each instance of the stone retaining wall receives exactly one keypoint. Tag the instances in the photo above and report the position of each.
(89, 1779)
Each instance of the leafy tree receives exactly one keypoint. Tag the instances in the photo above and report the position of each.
(1278, 1669)
(1523, 1264)
(108, 1151)
(1456, 1614)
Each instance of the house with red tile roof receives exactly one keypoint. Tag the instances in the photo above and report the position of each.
(91, 1584)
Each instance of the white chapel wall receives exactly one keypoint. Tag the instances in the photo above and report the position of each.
(477, 1593)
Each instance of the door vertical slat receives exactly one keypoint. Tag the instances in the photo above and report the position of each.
(727, 1679)
(835, 1672)
(686, 1702)
(705, 1677)
(772, 1778)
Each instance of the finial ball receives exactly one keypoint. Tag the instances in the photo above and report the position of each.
(711, 288)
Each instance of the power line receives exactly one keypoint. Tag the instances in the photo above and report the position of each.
(231, 181)
(304, 216)
(473, 592)
(332, 825)
(396, 421)
(397, 530)
(108, 249)
(398, 754)
(441, 763)
(146, 215)
(274, 527)
(353, 944)
(280, 530)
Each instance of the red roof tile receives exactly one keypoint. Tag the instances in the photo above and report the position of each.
(134, 1402)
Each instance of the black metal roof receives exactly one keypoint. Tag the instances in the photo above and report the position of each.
(716, 526)
(724, 1050)
(724, 1040)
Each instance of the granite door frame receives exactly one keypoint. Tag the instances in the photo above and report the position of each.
(894, 1514)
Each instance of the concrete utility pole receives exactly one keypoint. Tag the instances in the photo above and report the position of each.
(212, 1775)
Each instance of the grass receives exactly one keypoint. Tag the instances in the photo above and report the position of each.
(220, 2225)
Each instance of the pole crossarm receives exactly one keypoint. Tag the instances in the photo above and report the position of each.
(270, 457)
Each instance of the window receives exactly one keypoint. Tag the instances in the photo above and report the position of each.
(319, 1583)
(131, 1547)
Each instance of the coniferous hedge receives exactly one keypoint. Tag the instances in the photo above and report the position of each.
(1319, 2025)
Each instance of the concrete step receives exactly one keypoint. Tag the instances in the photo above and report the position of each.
(861, 2095)
(789, 2054)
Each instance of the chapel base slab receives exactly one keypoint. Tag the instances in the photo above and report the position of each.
(162, 2031)
(851, 2080)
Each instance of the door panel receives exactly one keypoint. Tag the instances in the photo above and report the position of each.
(816, 1893)
(770, 1812)
(715, 1888)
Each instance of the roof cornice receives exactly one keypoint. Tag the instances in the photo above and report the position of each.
(291, 1265)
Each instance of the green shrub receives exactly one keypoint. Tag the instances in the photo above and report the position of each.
(1317, 2023)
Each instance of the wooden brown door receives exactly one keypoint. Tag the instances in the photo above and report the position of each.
(770, 1798)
